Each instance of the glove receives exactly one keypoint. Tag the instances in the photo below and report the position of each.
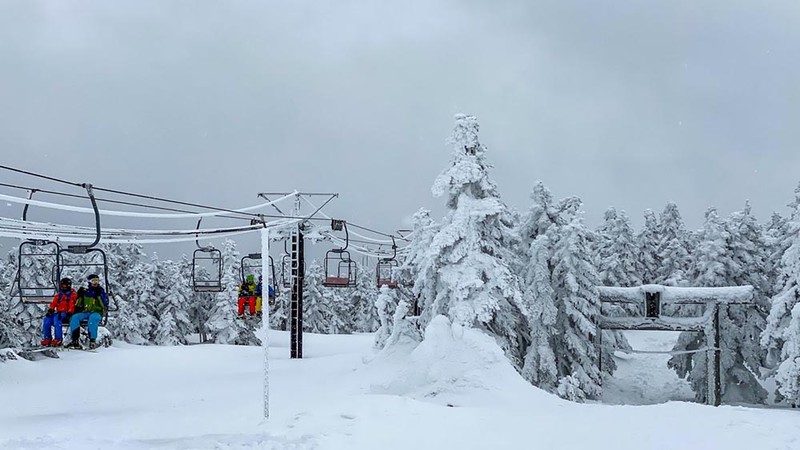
(50, 312)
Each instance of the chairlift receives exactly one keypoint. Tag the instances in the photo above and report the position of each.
(251, 265)
(79, 261)
(286, 267)
(206, 267)
(38, 256)
(37, 267)
(384, 270)
(340, 270)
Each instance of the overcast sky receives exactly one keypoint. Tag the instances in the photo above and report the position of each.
(627, 103)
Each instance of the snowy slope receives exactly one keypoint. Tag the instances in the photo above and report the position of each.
(645, 379)
(342, 395)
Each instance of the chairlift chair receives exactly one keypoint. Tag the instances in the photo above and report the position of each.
(250, 267)
(384, 270)
(206, 267)
(207, 270)
(40, 256)
(77, 262)
(340, 269)
(286, 268)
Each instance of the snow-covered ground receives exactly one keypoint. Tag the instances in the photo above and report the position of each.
(645, 379)
(458, 394)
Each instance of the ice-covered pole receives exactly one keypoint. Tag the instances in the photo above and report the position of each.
(266, 283)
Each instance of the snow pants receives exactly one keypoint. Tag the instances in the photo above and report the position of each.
(250, 302)
(54, 320)
(94, 320)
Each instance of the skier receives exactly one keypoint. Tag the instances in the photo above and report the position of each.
(259, 293)
(92, 305)
(60, 309)
(247, 295)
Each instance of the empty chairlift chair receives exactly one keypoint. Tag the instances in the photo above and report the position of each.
(384, 270)
(207, 270)
(37, 275)
(340, 269)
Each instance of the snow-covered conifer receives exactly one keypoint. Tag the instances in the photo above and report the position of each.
(404, 330)
(417, 273)
(781, 331)
(472, 252)
(386, 305)
(365, 316)
(124, 282)
(325, 309)
(673, 251)
(575, 283)
(647, 242)
(173, 325)
(540, 362)
(726, 256)
(135, 321)
(11, 333)
(616, 251)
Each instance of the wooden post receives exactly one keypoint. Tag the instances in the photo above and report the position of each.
(713, 384)
(599, 349)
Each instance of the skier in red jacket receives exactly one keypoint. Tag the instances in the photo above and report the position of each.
(60, 309)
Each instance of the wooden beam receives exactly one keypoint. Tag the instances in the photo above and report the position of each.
(660, 324)
(678, 295)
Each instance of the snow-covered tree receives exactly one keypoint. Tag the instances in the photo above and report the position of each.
(385, 305)
(726, 255)
(781, 331)
(365, 316)
(416, 274)
(404, 330)
(472, 251)
(540, 362)
(135, 321)
(647, 242)
(543, 215)
(279, 313)
(12, 334)
(125, 284)
(776, 240)
(325, 310)
(173, 325)
(616, 251)
(673, 250)
(575, 283)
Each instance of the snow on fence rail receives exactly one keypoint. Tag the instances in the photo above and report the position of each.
(677, 295)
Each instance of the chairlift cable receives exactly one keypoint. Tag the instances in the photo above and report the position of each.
(14, 224)
(126, 213)
(25, 172)
(130, 194)
(357, 226)
(107, 200)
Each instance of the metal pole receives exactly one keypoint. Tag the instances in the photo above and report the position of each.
(296, 299)
(265, 284)
(717, 358)
(296, 303)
